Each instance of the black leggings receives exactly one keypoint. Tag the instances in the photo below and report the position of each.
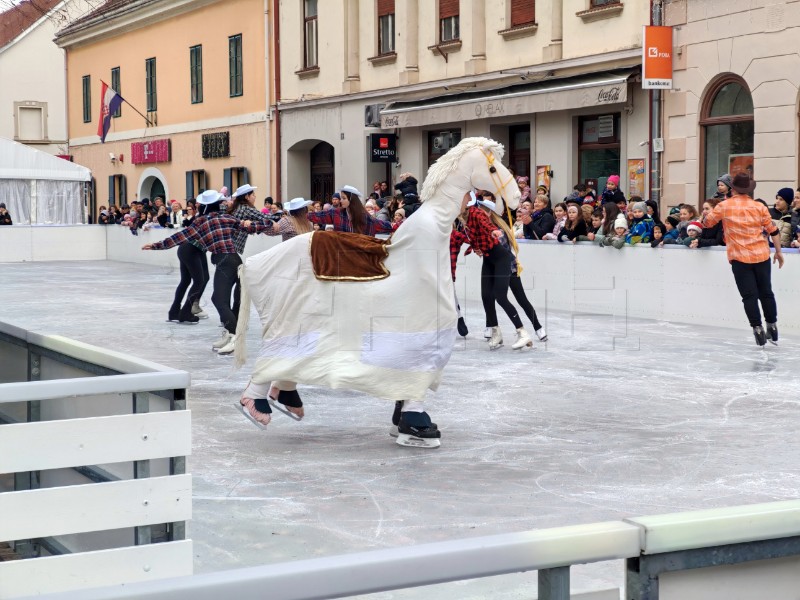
(754, 281)
(519, 295)
(226, 280)
(194, 270)
(495, 280)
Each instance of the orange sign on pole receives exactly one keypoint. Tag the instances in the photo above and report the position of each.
(657, 58)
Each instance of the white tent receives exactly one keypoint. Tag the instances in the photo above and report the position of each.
(39, 188)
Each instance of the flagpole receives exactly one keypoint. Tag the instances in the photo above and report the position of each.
(149, 122)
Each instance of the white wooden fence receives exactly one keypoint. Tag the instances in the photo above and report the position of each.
(93, 489)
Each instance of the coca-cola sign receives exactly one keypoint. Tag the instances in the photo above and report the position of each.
(608, 95)
(153, 151)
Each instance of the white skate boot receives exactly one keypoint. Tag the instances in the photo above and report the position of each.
(523, 340)
(487, 333)
(496, 339)
(541, 334)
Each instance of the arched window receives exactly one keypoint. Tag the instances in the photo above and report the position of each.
(726, 132)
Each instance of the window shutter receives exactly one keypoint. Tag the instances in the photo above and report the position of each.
(385, 7)
(448, 8)
(189, 184)
(227, 180)
(245, 176)
(123, 190)
(112, 194)
(522, 12)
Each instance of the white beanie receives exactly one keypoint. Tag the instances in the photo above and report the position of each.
(621, 221)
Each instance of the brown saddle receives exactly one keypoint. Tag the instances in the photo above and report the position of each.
(342, 256)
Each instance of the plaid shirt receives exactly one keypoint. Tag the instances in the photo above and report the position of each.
(213, 233)
(744, 220)
(245, 213)
(479, 230)
(341, 221)
(457, 239)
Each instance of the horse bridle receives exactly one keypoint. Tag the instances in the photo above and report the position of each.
(490, 158)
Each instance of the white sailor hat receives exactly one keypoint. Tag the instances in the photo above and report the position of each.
(473, 199)
(351, 190)
(243, 190)
(209, 197)
(488, 204)
(295, 204)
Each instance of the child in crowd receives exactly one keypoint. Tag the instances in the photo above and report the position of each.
(641, 230)
(620, 229)
(524, 188)
(597, 223)
(399, 217)
(659, 230)
(561, 218)
(693, 232)
(671, 228)
(796, 241)
(574, 225)
(612, 192)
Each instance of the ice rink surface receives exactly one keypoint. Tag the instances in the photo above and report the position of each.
(611, 418)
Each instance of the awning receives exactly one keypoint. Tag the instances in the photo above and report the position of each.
(563, 94)
(18, 161)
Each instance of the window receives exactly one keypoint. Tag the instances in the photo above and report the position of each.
(439, 142)
(117, 190)
(726, 132)
(448, 21)
(87, 98)
(31, 121)
(522, 13)
(598, 148)
(150, 85)
(385, 26)
(116, 86)
(234, 177)
(310, 33)
(196, 183)
(598, 3)
(196, 72)
(235, 64)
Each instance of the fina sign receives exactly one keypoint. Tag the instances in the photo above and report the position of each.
(657, 58)
(383, 147)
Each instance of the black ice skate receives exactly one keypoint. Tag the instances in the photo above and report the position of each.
(256, 410)
(761, 337)
(462, 327)
(417, 431)
(772, 333)
(287, 398)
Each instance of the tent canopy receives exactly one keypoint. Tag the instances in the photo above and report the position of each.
(18, 161)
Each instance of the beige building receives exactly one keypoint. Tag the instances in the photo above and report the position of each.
(33, 93)
(556, 81)
(198, 70)
(735, 103)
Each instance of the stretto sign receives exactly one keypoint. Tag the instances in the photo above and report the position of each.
(657, 58)
(384, 147)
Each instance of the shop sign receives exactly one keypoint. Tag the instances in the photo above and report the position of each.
(609, 95)
(153, 151)
(216, 145)
(383, 147)
(657, 58)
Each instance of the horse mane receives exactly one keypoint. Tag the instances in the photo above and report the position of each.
(447, 164)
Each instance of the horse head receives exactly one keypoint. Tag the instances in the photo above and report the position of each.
(476, 162)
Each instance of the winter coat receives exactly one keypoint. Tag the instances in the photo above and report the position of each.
(712, 236)
(641, 231)
(614, 197)
(570, 234)
(556, 229)
(671, 235)
(542, 222)
(783, 221)
(5, 219)
(795, 222)
(410, 208)
(407, 186)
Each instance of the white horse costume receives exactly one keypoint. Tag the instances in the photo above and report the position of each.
(390, 337)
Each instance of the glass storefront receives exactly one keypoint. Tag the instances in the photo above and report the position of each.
(599, 153)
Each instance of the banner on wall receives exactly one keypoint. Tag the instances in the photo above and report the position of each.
(636, 173)
(657, 58)
(543, 176)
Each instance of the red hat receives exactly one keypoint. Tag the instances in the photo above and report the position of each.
(695, 226)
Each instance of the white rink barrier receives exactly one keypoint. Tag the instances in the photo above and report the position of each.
(700, 555)
(93, 447)
(671, 283)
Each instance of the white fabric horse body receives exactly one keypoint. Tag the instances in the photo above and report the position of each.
(391, 337)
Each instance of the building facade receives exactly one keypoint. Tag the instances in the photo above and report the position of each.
(734, 106)
(194, 76)
(556, 81)
(37, 101)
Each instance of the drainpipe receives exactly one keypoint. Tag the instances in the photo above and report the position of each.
(655, 117)
(267, 90)
(276, 44)
(557, 31)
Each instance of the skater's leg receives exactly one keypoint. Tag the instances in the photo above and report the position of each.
(415, 428)
(183, 284)
(285, 392)
(194, 263)
(254, 402)
(225, 278)
(745, 277)
(515, 284)
(487, 294)
(502, 259)
(763, 274)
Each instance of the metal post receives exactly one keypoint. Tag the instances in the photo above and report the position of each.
(655, 121)
(141, 468)
(177, 466)
(554, 583)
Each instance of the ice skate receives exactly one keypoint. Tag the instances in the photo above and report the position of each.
(221, 342)
(772, 333)
(285, 401)
(197, 311)
(496, 339)
(462, 327)
(172, 316)
(760, 335)
(415, 430)
(393, 431)
(257, 411)
(487, 333)
(229, 347)
(541, 334)
(523, 339)
(185, 317)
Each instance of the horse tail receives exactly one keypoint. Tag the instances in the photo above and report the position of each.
(240, 347)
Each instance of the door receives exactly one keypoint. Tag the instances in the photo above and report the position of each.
(157, 190)
(322, 172)
(519, 152)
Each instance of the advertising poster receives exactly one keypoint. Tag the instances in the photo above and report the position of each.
(543, 176)
(636, 172)
(740, 163)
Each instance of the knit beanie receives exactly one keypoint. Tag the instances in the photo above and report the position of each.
(673, 220)
(614, 179)
(786, 194)
(640, 206)
(621, 222)
(695, 226)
